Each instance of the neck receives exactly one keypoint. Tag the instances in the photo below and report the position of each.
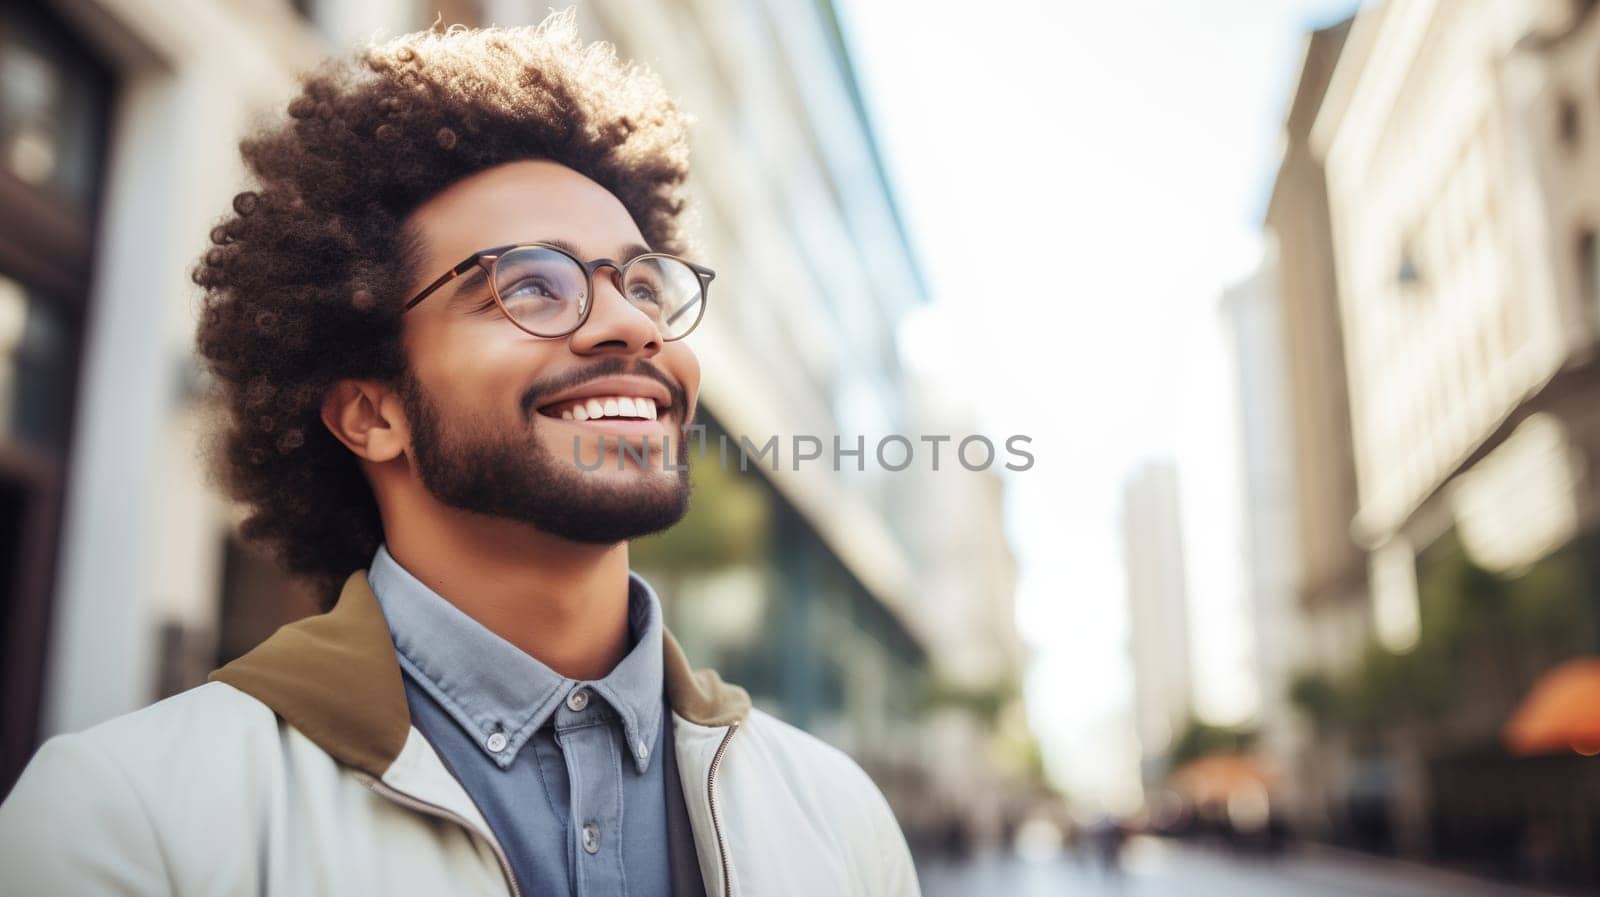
(562, 602)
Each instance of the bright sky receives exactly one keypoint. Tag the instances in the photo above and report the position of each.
(1127, 150)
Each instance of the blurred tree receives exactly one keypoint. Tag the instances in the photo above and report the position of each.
(1317, 697)
(1200, 739)
(998, 709)
(984, 702)
(1484, 638)
(1026, 756)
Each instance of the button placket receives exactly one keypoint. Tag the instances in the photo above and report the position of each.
(596, 799)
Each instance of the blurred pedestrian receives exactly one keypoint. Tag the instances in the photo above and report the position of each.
(1104, 839)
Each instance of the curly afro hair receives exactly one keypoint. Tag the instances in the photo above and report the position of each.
(304, 282)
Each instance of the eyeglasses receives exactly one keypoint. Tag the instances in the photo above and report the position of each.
(546, 291)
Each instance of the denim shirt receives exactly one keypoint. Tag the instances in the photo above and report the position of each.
(564, 771)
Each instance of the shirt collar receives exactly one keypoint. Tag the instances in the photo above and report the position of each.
(489, 685)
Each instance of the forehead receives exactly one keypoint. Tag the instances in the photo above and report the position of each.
(520, 201)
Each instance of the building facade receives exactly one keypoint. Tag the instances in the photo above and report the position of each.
(1333, 571)
(1454, 143)
(1158, 598)
(1332, 595)
(1253, 313)
(1461, 302)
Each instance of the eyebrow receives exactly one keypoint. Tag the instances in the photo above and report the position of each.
(477, 278)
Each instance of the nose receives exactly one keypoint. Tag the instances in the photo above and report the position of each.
(615, 325)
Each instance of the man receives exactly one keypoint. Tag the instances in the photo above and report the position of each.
(448, 327)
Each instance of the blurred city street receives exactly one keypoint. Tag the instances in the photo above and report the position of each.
(1162, 868)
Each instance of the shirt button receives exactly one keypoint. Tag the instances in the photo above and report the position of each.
(642, 749)
(497, 742)
(591, 837)
(579, 699)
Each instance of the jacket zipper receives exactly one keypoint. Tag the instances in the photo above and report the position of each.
(406, 800)
(716, 821)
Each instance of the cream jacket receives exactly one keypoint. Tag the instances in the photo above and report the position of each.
(296, 771)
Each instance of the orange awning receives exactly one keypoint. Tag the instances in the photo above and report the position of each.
(1560, 713)
(1218, 776)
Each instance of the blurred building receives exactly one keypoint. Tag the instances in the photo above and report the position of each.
(1334, 607)
(1332, 567)
(119, 124)
(1454, 142)
(1446, 134)
(1158, 597)
(968, 577)
(1252, 311)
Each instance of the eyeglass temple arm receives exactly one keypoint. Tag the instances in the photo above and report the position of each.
(706, 275)
(444, 278)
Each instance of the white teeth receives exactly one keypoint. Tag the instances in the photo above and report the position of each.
(611, 406)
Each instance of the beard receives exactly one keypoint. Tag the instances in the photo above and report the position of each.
(511, 474)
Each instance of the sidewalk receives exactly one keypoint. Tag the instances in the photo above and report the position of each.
(1417, 878)
(1153, 867)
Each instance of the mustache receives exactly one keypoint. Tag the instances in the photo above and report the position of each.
(610, 367)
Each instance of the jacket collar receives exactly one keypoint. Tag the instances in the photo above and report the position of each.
(334, 677)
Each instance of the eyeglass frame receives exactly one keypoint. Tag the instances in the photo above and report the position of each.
(703, 274)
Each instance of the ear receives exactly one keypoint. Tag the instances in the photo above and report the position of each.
(367, 417)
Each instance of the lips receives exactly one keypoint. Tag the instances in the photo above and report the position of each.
(602, 388)
(611, 415)
(603, 407)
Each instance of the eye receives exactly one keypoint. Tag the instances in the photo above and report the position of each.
(528, 288)
(644, 292)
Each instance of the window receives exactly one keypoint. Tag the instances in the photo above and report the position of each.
(1569, 124)
(1589, 276)
(1407, 273)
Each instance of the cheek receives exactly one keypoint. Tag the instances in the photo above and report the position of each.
(683, 366)
(485, 369)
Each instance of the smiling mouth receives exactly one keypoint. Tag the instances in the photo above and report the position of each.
(604, 408)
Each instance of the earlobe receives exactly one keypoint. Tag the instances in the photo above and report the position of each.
(363, 415)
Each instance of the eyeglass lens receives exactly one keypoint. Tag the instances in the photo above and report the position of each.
(546, 291)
